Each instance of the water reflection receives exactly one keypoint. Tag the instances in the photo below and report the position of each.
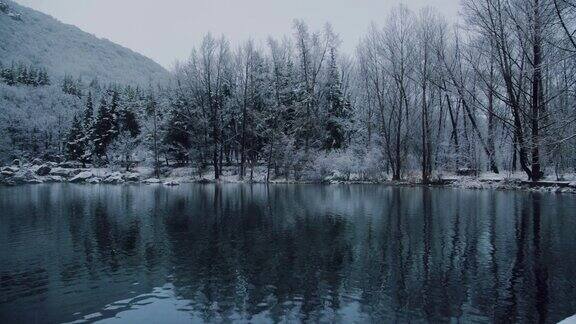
(284, 253)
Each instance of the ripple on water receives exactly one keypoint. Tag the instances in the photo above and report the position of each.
(259, 253)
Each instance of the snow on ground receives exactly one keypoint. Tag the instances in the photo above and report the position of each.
(569, 320)
(36, 173)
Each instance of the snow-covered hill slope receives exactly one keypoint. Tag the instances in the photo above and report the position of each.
(32, 37)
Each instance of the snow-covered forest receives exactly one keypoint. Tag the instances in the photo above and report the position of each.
(495, 92)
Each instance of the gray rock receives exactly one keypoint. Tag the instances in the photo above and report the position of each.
(16, 162)
(58, 171)
(12, 169)
(133, 177)
(82, 177)
(74, 172)
(35, 180)
(172, 183)
(61, 172)
(7, 182)
(93, 180)
(152, 180)
(43, 170)
(115, 177)
(7, 173)
(37, 161)
(53, 178)
(25, 176)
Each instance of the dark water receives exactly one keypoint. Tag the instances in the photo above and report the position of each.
(284, 253)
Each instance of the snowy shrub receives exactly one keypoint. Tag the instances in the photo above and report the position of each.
(122, 149)
(344, 163)
(321, 168)
(299, 162)
(371, 165)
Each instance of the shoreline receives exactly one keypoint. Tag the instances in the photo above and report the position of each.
(63, 173)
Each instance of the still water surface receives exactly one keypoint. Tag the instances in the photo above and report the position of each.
(341, 253)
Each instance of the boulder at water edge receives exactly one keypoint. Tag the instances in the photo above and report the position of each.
(131, 176)
(25, 176)
(115, 177)
(62, 172)
(152, 180)
(82, 177)
(43, 170)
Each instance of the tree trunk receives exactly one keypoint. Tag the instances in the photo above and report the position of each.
(536, 95)
(244, 120)
(155, 138)
(491, 108)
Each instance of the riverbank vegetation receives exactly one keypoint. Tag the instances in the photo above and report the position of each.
(494, 93)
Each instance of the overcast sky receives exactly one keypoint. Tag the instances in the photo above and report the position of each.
(166, 30)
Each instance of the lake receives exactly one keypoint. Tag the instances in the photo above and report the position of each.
(292, 253)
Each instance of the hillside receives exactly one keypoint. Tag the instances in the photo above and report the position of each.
(32, 37)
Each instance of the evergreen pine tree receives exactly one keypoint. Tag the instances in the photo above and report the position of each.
(88, 114)
(102, 127)
(10, 75)
(336, 108)
(32, 77)
(71, 86)
(127, 119)
(43, 78)
(22, 74)
(74, 144)
(6, 75)
(88, 129)
(113, 112)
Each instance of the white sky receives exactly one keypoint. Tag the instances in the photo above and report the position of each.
(166, 30)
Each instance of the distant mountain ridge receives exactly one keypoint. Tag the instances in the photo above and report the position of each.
(32, 37)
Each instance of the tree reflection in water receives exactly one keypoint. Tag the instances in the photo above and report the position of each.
(285, 252)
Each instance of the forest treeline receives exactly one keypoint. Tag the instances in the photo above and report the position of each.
(20, 73)
(492, 93)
